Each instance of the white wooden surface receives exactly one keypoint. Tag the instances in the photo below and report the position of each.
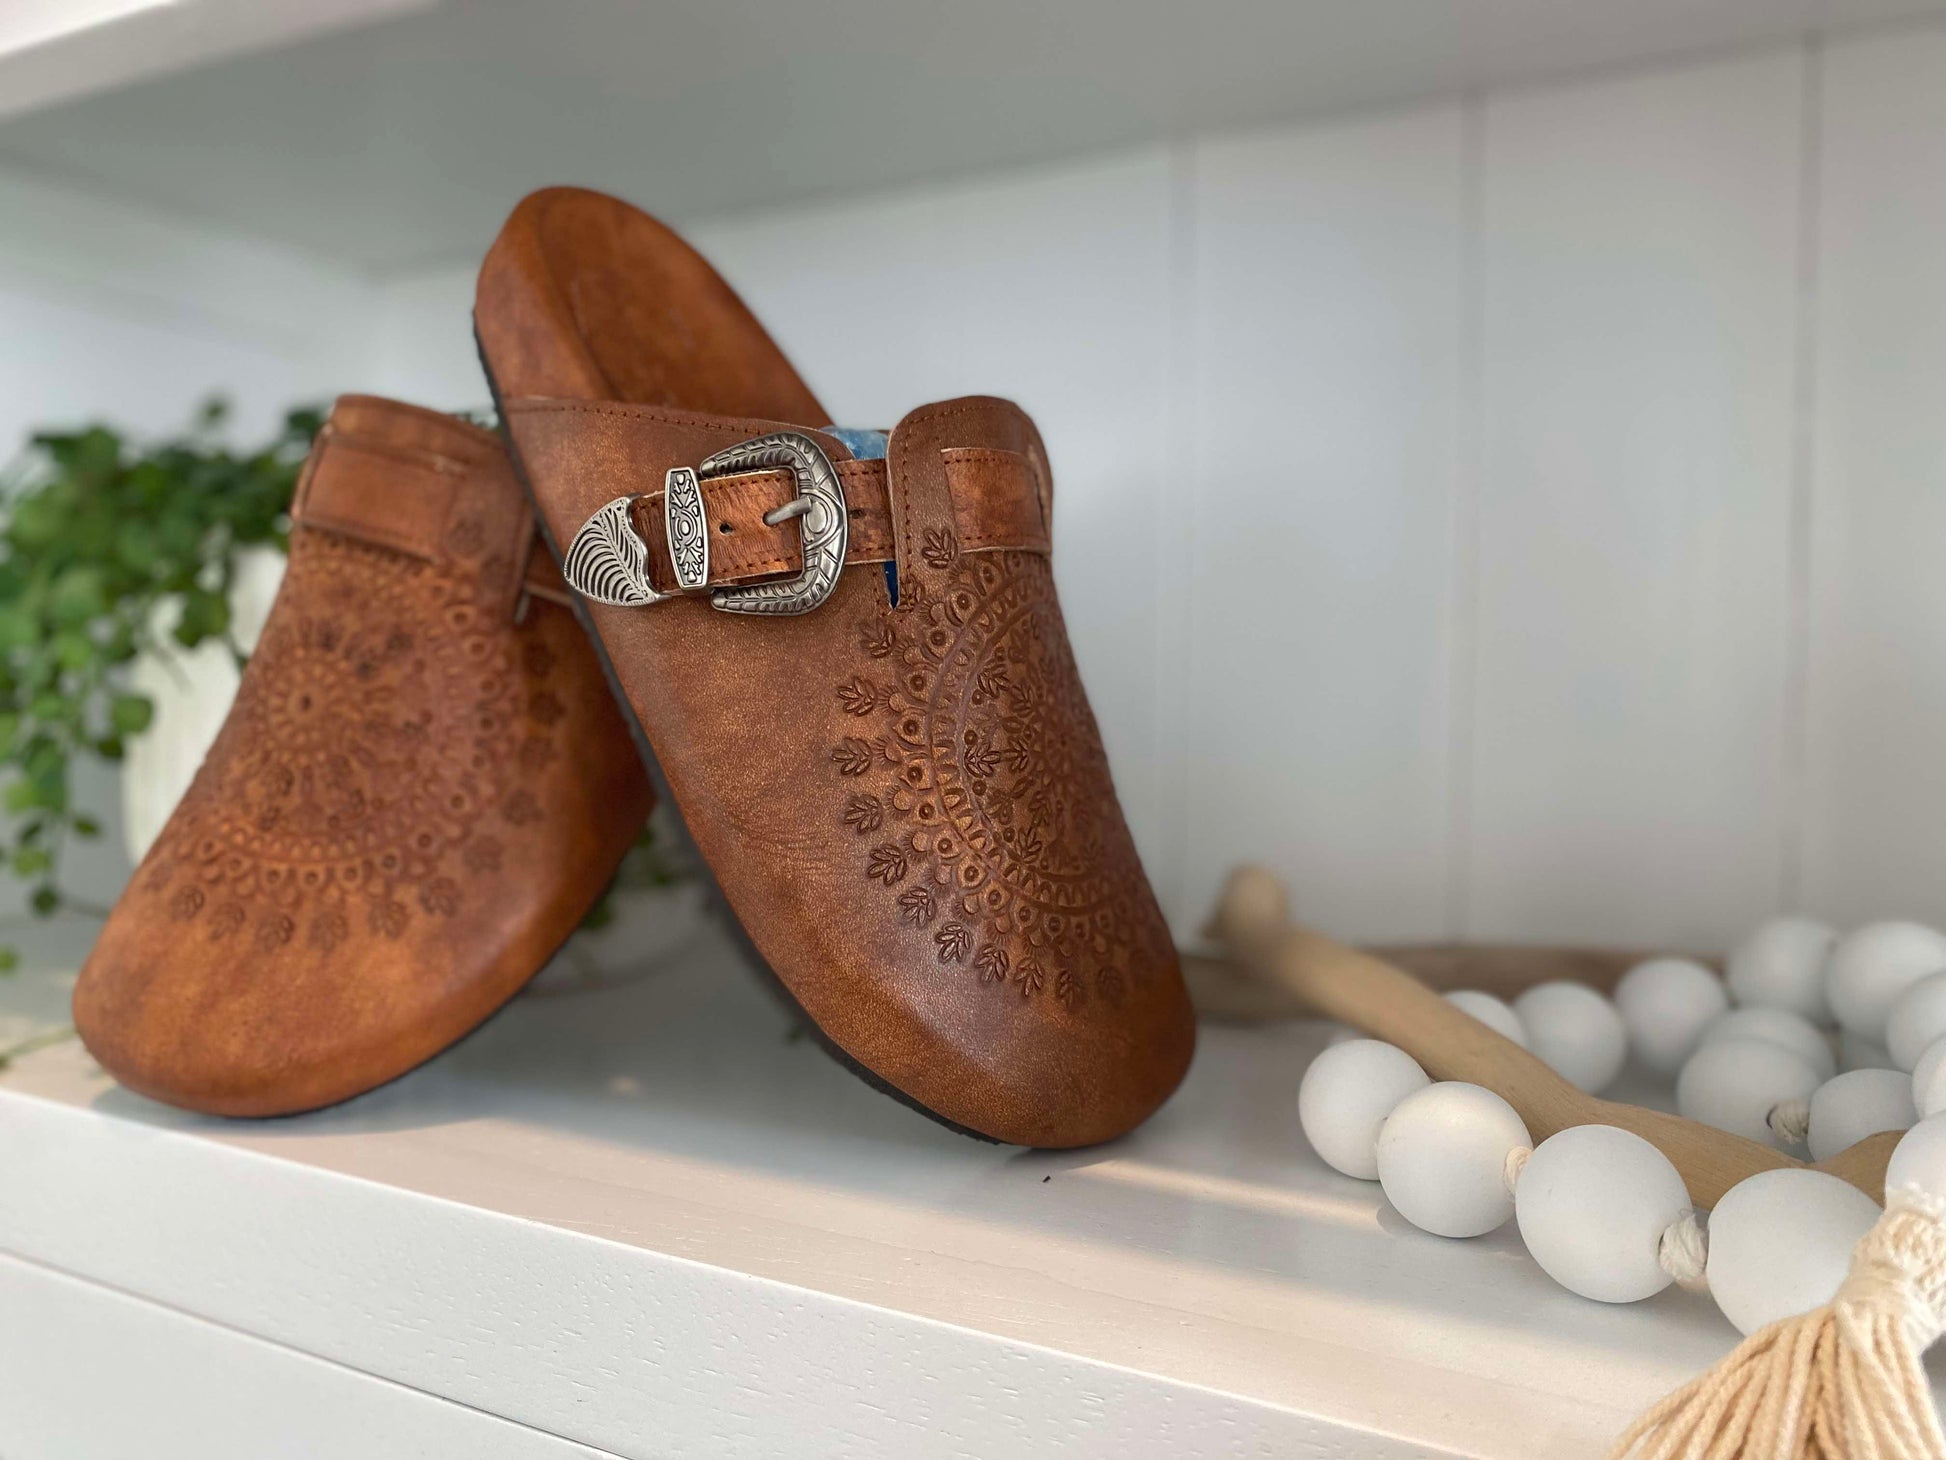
(88, 1373)
(1571, 574)
(643, 1219)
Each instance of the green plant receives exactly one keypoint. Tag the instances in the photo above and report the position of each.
(98, 537)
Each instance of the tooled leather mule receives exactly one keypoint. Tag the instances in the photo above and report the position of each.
(421, 789)
(846, 656)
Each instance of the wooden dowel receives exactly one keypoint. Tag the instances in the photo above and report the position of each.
(1308, 970)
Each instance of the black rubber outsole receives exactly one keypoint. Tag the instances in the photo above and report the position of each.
(714, 894)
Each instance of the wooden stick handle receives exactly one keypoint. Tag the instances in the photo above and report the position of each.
(1340, 982)
(1343, 983)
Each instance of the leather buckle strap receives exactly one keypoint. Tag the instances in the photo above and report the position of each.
(748, 519)
(608, 561)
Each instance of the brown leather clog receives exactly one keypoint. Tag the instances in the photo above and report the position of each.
(421, 789)
(882, 748)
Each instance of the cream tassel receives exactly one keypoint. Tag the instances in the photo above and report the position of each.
(1843, 1382)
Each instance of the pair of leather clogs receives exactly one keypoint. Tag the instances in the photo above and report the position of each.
(839, 652)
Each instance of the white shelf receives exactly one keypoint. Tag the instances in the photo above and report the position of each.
(56, 50)
(643, 1219)
(390, 135)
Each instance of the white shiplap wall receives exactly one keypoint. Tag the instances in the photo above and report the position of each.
(1511, 517)
(1629, 638)
(1875, 811)
(1322, 510)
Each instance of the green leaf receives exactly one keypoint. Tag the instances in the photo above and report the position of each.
(19, 629)
(43, 754)
(100, 534)
(135, 547)
(96, 453)
(36, 523)
(204, 616)
(9, 959)
(131, 714)
(74, 650)
(79, 595)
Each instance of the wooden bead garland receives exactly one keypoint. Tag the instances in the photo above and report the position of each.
(1839, 1300)
(1872, 966)
(1929, 1080)
(1735, 1084)
(1667, 1006)
(1576, 1031)
(1847, 1108)
(1781, 966)
(1779, 1244)
(1778, 1026)
(1345, 1096)
(1496, 1013)
(1918, 1019)
(1594, 1204)
(1443, 1156)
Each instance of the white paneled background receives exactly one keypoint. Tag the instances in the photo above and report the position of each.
(1516, 517)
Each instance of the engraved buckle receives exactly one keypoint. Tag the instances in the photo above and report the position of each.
(608, 561)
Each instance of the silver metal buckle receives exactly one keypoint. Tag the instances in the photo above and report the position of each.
(608, 560)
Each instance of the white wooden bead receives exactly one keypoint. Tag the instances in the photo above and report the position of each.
(1780, 965)
(1857, 1104)
(1929, 1080)
(1497, 1014)
(1345, 1096)
(1778, 1026)
(1918, 1017)
(1442, 1158)
(1919, 1159)
(1576, 1031)
(1593, 1202)
(1734, 1084)
(1780, 1244)
(1873, 965)
(1666, 1004)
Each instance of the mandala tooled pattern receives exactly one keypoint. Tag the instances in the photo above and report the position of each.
(372, 763)
(973, 778)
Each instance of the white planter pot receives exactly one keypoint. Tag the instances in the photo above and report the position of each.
(192, 690)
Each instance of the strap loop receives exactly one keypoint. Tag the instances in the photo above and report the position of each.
(750, 516)
(423, 498)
